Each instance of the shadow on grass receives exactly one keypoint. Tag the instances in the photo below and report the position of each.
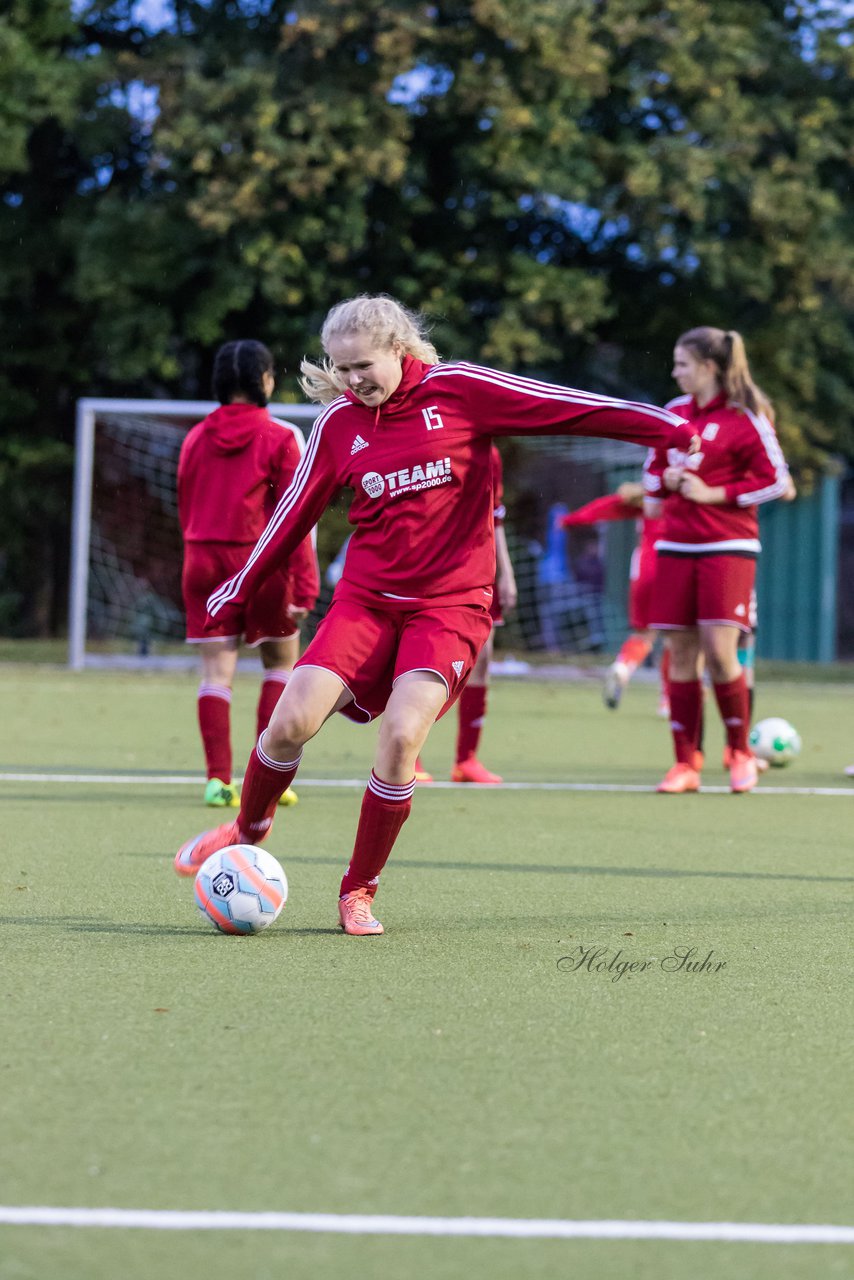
(666, 873)
(83, 924)
(567, 869)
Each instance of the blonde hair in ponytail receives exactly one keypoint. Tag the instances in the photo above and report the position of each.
(725, 347)
(384, 320)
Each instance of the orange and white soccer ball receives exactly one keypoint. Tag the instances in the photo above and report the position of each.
(241, 889)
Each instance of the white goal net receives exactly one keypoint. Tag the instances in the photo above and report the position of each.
(125, 597)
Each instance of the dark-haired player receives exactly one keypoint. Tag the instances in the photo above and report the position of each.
(233, 469)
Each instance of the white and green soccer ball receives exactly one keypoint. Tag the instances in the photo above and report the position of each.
(775, 740)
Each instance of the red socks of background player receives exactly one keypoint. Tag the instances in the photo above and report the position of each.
(214, 708)
(686, 709)
(264, 782)
(472, 710)
(385, 808)
(272, 688)
(734, 705)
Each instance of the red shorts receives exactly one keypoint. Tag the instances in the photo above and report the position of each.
(690, 590)
(369, 648)
(206, 565)
(641, 580)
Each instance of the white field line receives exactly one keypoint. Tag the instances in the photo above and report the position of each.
(619, 788)
(389, 1225)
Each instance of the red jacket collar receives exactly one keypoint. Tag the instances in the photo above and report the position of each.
(717, 402)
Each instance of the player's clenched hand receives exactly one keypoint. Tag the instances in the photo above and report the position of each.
(631, 492)
(696, 490)
(684, 437)
(507, 594)
(672, 478)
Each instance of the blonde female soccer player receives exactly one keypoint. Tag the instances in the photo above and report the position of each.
(411, 437)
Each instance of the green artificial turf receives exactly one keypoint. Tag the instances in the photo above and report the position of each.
(459, 1066)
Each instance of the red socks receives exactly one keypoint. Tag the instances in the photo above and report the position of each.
(214, 708)
(472, 711)
(686, 707)
(633, 651)
(686, 715)
(265, 780)
(272, 687)
(734, 706)
(385, 808)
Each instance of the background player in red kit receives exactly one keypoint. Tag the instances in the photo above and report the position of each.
(411, 438)
(709, 543)
(233, 469)
(473, 699)
(627, 504)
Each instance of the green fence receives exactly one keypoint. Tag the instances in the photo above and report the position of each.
(798, 576)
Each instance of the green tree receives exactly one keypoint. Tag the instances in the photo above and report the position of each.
(543, 177)
(65, 138)
(565, 185)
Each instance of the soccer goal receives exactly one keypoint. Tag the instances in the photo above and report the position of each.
(125, 591)
(125, 604)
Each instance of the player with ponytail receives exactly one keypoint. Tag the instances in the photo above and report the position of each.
(709, 542)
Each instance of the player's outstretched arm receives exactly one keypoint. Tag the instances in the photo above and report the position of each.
(506, 404)
(611, 507)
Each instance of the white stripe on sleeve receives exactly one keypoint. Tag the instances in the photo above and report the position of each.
(229, 590)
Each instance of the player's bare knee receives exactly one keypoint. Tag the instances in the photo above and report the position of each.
(288, 731)
(402, 741)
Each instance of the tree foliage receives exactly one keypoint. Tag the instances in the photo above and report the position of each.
(564, 185)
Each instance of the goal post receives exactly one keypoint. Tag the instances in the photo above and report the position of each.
(126, 550)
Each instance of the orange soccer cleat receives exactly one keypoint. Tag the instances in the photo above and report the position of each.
(356, 913)
(743, 774)
(679, 779)
(194, 852)
(472, 770)
(762, 766)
